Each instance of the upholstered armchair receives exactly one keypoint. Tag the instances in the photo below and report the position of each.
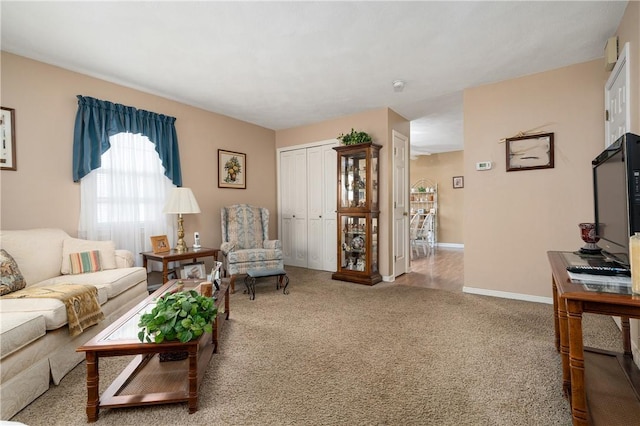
(245, 241)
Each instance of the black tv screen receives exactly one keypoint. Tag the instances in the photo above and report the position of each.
(616, 180)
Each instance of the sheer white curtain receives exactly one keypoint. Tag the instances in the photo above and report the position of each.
(123, 200)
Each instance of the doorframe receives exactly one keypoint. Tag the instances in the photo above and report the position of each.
(622, 69)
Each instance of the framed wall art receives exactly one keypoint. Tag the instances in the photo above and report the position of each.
(458, 182)
(232, 169)
(8, 133)
(530, 152)
(160, 244)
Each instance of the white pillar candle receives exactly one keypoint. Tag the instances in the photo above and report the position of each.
(634, 260)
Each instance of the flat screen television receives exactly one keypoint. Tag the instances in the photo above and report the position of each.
(616, 190)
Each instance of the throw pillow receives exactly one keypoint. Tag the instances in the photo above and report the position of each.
(87, 261)
(107, 251)
(11, 278)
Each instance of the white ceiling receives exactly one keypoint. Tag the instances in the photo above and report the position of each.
(287, 64)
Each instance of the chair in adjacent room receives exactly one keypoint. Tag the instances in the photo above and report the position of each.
(245, 241)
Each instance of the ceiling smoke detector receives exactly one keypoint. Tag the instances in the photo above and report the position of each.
(398, 85)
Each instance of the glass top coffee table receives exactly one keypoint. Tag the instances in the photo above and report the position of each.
(147, 380)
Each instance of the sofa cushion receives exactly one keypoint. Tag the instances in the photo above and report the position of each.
(19, 329)
(75, 245)
(52, 310)
(109, 283)
(11, 278)
(36, 251)
(84, 262)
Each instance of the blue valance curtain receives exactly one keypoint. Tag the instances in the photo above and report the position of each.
(96, 120)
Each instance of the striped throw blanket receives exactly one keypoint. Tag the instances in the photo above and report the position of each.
(81, 301)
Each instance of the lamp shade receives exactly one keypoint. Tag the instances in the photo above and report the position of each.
(181, 201)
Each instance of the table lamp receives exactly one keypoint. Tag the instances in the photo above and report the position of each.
(181, 201)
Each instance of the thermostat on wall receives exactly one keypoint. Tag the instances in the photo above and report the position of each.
(483, 165)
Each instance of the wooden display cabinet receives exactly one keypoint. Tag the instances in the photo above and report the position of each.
(358, 213)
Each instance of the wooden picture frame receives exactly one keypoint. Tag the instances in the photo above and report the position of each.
(160, 244)
(193, 271)
(530, 152)
(8, 142)
(232, 169)
(458, 182)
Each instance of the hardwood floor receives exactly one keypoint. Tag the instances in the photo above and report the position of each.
(441, 268)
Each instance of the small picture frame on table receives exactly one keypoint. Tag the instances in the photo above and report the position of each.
(193, 271)
(160, 244)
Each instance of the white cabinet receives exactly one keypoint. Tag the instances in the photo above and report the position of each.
(307, 179)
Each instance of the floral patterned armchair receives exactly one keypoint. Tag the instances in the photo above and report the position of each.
(245, 241)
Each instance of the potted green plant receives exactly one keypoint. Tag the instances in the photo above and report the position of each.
(183, 316)
(422, 189)
(354, 138)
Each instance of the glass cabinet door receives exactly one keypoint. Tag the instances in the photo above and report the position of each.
(353, 170)
(359, 243)
(354, 243)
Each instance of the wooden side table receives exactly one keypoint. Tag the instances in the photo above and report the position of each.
(610, 379)
(174, 256)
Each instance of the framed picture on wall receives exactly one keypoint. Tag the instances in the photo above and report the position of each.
(232, 169)
(530, 152)
(458, 182)
(8, 133)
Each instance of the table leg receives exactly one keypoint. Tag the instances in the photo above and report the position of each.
(226, 303)
(93, 379)
(626, 336)
(165, 271)
(193, 379)
(556, 323)
(563, 332)
(576, 361)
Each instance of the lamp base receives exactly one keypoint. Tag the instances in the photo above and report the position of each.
(181, 247)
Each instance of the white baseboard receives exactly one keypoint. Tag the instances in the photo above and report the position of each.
(451, 245)
(508, 295)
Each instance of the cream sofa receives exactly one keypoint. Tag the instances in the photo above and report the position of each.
(36, 347)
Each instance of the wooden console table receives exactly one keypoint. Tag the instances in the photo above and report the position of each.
(603, 387)
(174, 256)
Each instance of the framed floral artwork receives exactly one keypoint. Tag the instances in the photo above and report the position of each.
(232, 169)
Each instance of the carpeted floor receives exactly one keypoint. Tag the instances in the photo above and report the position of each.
(336, 353)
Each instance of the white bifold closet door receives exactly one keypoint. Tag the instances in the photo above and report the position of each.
(308, 200)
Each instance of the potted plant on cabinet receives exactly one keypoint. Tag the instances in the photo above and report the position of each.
(354, 138)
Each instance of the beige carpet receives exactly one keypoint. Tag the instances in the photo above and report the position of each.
(335, 353)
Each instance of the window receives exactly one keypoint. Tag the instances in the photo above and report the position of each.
(123, 199)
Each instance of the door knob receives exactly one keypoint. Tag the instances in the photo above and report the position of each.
(405, 214)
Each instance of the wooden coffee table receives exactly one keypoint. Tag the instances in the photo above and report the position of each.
(146, 380)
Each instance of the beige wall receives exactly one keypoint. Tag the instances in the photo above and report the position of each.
(441, 168)
(512, 219)
(41, 193)
(379, 124)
